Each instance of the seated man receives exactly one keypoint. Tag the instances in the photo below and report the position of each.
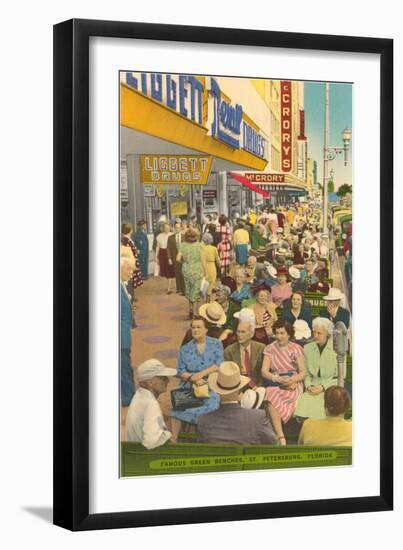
(246, 353)
(334, 311)
(231, 423)
(145, 422)
(258, 272)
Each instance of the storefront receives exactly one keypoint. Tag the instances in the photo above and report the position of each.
(180, 136)
(283, 188)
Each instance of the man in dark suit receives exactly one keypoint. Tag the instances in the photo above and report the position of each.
(172, 251)
(246, 353)
(231, 423)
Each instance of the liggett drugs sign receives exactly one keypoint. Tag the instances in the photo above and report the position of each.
(175, 169)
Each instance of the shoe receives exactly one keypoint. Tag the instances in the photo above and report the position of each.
(169, 291)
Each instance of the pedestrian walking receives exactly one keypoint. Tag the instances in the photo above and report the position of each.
(166, 269)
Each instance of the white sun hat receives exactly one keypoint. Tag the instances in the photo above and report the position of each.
(151, 368)
(302, 330)
(246, 314)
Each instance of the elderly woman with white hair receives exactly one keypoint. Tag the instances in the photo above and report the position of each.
(321, 367)
(212, 261)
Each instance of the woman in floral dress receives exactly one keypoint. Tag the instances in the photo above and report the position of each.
(194, 267)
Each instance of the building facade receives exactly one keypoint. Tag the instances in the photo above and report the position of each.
(184, 139)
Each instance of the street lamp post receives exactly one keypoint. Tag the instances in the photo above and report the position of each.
(329, 153)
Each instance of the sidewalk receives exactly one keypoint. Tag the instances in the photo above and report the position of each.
(162, 321)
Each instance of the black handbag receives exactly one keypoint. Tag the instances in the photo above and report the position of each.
(184, 398)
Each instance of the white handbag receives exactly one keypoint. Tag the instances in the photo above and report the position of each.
(204, 287)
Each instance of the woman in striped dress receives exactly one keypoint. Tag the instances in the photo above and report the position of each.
(283, 368)
(224, 246)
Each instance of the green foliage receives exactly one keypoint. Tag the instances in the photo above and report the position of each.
(344, 189)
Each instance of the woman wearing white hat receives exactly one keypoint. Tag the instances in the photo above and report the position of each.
(321, 366)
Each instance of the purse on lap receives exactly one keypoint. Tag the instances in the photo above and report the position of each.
(184, 398)
(200, 392)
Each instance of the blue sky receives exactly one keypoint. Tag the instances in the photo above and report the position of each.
(340, 116)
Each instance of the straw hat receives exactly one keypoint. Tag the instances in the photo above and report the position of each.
(252, 399)
(334, 294)
(227, 379)
(294, 273)
(271, 270)
(213, 313)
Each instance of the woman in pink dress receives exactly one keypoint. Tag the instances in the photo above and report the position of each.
(283, 368)
(282, 290)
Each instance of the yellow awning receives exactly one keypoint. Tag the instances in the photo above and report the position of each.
(144, 114)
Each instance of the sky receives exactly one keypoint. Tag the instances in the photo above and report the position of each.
(340, 102)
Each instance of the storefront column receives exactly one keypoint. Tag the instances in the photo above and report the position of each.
(222, 193)
(135, 189)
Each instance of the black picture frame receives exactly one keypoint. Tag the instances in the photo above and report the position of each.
(71, 273)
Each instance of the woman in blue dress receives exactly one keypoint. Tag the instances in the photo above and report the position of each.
(141, 242)
(243, 290)
(197, 359)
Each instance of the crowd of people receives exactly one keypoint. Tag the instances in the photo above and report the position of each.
(256, 354)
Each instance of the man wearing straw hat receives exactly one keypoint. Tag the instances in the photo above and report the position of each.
(334, 311)
(231, 423)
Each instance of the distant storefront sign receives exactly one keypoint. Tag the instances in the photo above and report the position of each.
(286, 125)
(149, 191)
(175, 169)
(261, 177)
(209, 194)
(179, 208)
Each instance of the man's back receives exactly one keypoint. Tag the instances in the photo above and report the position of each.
(233, 424)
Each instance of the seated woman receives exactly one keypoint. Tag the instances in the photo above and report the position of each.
(242, 291)
(265, 313)
(196, 361)
(333, 429)
(308, 273)
(321, 367)
(300, 256)
(321, 285)
(215, 318)
(297, 310)
(282, 289)
(283, 368)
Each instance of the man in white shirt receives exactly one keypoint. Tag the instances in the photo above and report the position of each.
(145, 423)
